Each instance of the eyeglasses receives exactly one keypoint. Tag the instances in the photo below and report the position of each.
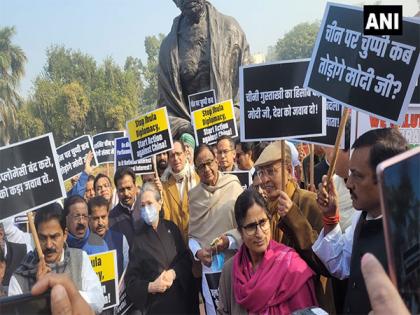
(224, 152)
(251, 229)
(203, 165)
(79, 217)
(268, 171)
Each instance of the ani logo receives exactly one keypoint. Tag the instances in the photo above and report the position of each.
(382, 20)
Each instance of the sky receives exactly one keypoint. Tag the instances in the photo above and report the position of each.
(117, 28)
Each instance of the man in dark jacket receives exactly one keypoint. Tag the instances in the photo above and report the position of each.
(98, 222)
(121, 216)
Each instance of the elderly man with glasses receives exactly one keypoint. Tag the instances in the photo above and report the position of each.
(296, 217)
(212, 229)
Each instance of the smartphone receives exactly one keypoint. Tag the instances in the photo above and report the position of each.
(399, 186)
(26, 304)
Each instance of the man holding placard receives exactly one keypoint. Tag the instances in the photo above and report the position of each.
(57, 258)
(341, 252)
(296, 219)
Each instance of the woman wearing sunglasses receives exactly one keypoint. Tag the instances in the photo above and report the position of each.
(264, 277)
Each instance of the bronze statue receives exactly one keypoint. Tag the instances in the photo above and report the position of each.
(203, 51)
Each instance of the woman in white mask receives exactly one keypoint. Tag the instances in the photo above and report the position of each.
(159, 277)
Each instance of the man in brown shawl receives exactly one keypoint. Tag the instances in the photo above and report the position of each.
(296, 218)
(203, 51)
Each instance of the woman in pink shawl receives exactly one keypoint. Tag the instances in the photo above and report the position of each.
(264, 277)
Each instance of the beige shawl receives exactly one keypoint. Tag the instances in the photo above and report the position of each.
(212, 209)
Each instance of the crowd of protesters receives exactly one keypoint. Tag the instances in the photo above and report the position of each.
(279, 246)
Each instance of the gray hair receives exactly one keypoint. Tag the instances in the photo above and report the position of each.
(148, 186)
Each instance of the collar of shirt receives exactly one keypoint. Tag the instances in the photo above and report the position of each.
(130, 209)
(369, 217)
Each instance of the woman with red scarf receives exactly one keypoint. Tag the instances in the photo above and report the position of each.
(264, 277)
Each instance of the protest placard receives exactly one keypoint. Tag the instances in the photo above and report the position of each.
(334, 112)
(415, 99)
(125, 304)
(244, 177)
(150, 134)
(72, 156)
(274, 104)
(213, 279)
(123, 158)
(201, 100)
(103, 143)
(29, 175)
(105, 266)
(410, 128)
(214, 121)
(373, 74)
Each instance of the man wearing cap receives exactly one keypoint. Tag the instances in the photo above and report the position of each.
(189, 142)
(296, 218)
(177, 181)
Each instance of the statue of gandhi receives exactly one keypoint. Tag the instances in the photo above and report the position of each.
(203, 51)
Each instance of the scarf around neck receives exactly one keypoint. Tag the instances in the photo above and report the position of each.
(280, 275)
(75, 242)
(187, 173)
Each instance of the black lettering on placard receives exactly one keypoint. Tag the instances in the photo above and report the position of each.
(373, 74)
(29, 176)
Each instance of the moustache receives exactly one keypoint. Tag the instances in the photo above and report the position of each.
(49, 251)
(80, 227)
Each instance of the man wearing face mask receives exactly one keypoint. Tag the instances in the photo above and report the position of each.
(176, 182)
(80, 236)
(159, 278)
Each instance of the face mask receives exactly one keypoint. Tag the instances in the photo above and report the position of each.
(149, 214)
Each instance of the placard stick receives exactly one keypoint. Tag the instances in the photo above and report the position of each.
(155, 166)
(107, 169)
(311, 164)
(34, 234)
(283, 171)
(337, 143)
(156, 173)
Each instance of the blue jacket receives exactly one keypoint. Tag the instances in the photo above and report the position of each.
(80, 187)
(114, 240)
(90, 243)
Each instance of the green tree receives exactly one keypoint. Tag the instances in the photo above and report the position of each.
(149, 71)
(73, 96)
(297, 43)
(12, 61)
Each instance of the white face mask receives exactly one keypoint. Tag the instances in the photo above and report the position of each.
(149, 214)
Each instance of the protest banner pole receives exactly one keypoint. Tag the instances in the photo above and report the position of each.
(156, 173)
(283, 172)
(155, 166)
(337, 143)
(311, 164)
(107, 169)
(34, 234)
